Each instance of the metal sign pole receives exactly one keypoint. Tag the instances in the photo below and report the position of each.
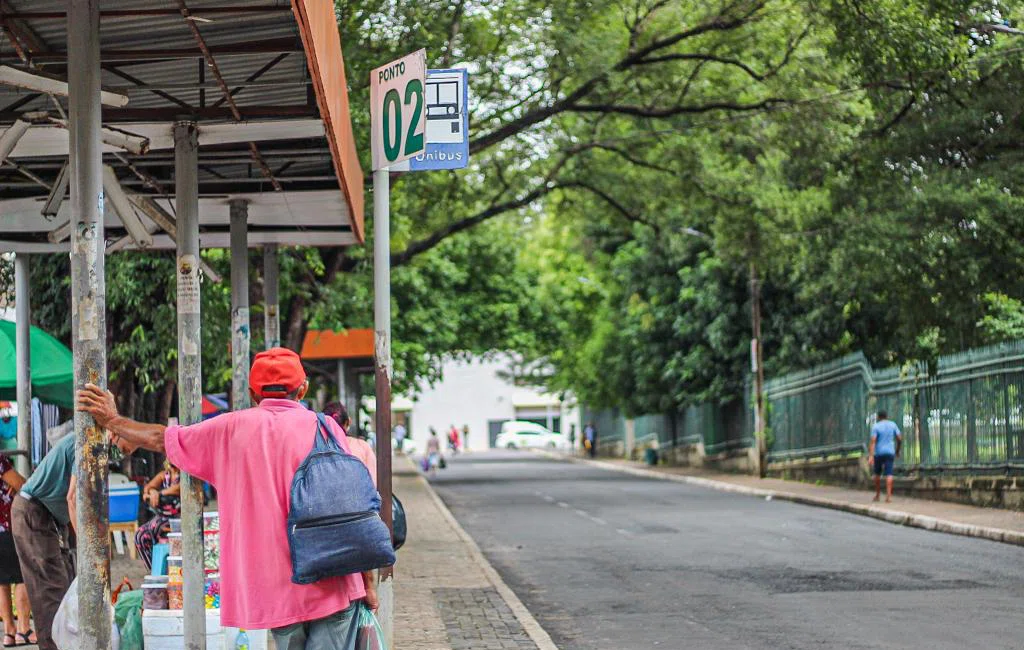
(239, 305)
(88, 318)
(382, 375)
(23, 360)
(190, 374)
(272, 309)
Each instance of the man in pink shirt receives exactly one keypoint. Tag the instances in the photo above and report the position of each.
(250, 456)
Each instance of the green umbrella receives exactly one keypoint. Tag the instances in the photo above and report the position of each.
(52, 367)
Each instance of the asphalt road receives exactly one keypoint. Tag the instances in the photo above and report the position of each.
(609, 561)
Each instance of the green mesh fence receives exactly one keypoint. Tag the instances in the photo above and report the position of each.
(721, 427)
(969, 413)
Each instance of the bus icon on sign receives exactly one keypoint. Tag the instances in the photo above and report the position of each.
(444, 107)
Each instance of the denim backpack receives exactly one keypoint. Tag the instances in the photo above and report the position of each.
(334, 524)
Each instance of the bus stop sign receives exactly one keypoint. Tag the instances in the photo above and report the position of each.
(447, 123)
(398, 112)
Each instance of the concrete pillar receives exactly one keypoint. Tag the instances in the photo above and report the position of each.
(88, 317)
(240, 340)
(272, 308)
(630, 437)
(23, 361)
(190, 374)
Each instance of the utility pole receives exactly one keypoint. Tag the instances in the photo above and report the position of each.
(271, 307)
(382, 374)
(190, 373)
(88, 318)
(240, 341)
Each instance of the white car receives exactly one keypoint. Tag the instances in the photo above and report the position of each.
(519, 434)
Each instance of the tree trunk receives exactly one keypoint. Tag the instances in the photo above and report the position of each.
(166, 401)
(755, 318)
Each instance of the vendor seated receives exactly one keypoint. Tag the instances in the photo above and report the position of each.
(163, 496)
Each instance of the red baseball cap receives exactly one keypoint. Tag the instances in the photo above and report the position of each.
(276, 372)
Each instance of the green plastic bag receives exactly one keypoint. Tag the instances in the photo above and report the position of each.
(128, 616)
(365, 632)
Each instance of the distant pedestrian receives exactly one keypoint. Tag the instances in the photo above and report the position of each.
(465, 437)
(399, 434)
(590, 439)
(453, 439)
(433, 458)
(886, 443)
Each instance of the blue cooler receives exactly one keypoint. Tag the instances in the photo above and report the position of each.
(124, 503)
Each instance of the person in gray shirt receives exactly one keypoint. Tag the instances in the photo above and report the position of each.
(40, 517)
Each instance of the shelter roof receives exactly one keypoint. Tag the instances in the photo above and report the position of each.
(280, 137)
(347, 344)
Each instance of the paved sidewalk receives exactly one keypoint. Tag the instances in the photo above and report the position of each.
(447, 596)
(973, 521)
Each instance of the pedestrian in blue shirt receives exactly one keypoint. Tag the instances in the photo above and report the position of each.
(886, 443)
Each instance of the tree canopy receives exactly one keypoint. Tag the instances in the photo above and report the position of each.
(634, 164)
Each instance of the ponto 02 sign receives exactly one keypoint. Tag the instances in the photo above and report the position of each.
(398, 110)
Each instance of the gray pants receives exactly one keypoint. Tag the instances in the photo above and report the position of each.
(327, 633)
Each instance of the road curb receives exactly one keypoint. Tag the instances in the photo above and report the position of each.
(536, 633)
(924, 522)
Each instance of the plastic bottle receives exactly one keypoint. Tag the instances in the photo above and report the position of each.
(242, 640)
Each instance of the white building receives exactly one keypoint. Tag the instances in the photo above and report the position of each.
(477, 393)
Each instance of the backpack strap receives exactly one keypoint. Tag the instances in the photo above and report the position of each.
(325, 438)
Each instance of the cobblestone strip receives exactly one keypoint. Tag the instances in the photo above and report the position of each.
(479, 619)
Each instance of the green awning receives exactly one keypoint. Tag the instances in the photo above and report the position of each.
(52, 367)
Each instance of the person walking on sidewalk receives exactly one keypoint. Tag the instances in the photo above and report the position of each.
(590, 439)
(886, 443)
(251, 457)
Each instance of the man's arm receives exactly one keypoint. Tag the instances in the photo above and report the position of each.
(899, 444)
(73, 502)
(14, 479)
(101, 406)
(871, 447)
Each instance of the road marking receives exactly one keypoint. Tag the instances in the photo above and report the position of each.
(623, 531)
(587, 515)
(549, 499)
(563, 504)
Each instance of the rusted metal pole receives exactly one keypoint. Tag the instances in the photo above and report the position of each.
(23, 361)
(271, 307)
(88, 318)
(190, 374)
(239, 305)
(382, 374)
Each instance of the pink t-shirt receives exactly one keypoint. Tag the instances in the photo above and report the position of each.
(251, 456)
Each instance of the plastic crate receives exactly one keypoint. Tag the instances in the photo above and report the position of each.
(124, 503)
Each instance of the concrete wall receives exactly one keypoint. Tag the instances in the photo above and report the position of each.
(475, 392)
(979, 489)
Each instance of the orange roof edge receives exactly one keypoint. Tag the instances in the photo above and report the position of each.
(346, 344)
(322, 43)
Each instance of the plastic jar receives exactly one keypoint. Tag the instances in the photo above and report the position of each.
(175, 599)
(155, 595)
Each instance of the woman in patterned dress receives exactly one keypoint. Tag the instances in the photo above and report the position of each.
(15, 632)
(163, 493)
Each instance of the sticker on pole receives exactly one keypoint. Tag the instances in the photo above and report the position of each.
(447, 123)
(398, 110)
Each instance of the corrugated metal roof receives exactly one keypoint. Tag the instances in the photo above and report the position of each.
(150, 54)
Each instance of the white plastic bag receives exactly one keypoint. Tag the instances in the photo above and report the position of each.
(65, 623)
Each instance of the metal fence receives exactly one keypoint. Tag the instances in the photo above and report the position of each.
(966, 414)
(721, 427)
